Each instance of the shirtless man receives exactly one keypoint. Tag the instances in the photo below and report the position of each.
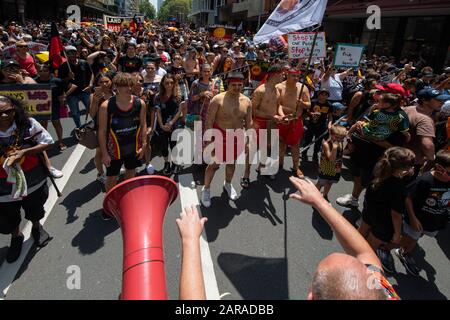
(265, 110)
(228, 110)
(190, 65)
(292, 103)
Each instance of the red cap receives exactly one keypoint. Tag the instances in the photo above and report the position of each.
(394, 88)
(163, 57)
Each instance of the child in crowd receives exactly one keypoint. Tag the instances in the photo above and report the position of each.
(427, 205)
(331, 159)
(385, 118)
(384, 203)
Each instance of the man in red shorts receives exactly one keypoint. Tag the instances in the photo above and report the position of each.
(292, 102)
(265, 113)
(228, 111)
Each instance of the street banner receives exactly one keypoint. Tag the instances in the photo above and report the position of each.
(258, 69)
(220, 32)
(117, 24)
(291, 16)
(37, 98)
(348, 55)
(300, 45)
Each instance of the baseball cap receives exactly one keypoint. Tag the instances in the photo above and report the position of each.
(324, 90)
(337, 106)
(10, 63)
(394, 88)
(431, 93)
(70, 48)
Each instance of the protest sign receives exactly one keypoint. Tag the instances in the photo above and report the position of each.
(348, 55)
(117, 24)
(219, 32)
(258, 69)
(37, 98)
(300, 45)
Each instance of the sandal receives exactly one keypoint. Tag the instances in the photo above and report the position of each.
(245, 183)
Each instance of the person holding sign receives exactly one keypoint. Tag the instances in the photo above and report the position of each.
(294, 99)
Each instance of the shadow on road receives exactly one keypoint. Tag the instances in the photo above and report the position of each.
(256, 278)
(443, 240)
(92, 236)
(88, 167)
(54, 150)
(417, 288)
(77, 198)
(219, 215)
(321, 226)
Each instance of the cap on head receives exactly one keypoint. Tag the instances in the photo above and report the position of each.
(431, 93)
(337, 106)
(394, 88)
(10, 63)
(70, 49)
(323, 90)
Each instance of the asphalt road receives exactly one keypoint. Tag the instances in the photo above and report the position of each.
(262, 246)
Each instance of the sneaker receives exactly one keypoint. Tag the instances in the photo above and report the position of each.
(348, 201)
(387, 260)
(40, 236)
(150, 169)
(122, 171)
(408, 261)
(55, 173)
(206, 197)
(106, 217)
(166, 170)
(232, 194)
(15, 248)
(101, 178)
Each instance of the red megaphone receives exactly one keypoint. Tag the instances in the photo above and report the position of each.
(139, 206)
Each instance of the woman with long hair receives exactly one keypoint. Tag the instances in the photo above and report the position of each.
(22, 141)
(102, 92)
(166, 105)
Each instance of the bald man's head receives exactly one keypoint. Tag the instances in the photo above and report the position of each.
(343, 277)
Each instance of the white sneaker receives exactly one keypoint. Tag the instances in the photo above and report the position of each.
(55, 173)
(122, 171)
(348, 201)
(101, 178)
(206, 197)
(150, 169)
(232, 194)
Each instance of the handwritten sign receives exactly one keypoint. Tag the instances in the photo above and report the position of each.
(348, 55)
(300, 45)
(37, 98)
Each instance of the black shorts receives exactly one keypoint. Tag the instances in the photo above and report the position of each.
(33, 205)
(381, 229)
(357, 171)
(130, 162)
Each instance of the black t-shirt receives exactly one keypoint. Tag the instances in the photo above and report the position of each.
(390, 195)
(324, 109)
(130, 65)
(57, 87)
(168, 108)
(431, 200)
(82, 73)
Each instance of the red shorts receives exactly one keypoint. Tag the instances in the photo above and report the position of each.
(259, 124)
(222, 155)
(291, 133)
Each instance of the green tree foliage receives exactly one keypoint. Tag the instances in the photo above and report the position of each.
(174, 8)
(148, 9)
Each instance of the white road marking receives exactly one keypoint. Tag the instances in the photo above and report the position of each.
(8, 271)
(188, 197)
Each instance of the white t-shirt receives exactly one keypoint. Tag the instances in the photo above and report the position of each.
(334, 86)
(42, 138)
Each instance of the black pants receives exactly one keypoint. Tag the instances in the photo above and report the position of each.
(314, 130)
(162, 141)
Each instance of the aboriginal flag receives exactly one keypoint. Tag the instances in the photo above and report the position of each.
(56, 48)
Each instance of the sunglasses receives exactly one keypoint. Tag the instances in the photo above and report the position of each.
(8, 112)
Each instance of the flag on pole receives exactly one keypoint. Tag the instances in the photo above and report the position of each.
(290, 16)
(56, 48)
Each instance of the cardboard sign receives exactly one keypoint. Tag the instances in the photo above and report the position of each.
(218, 32)
(117, 24)
(348, 55)
(258, 69)
(300, 45)
(37, 98)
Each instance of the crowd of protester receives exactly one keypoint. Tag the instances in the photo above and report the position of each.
(387, 121)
